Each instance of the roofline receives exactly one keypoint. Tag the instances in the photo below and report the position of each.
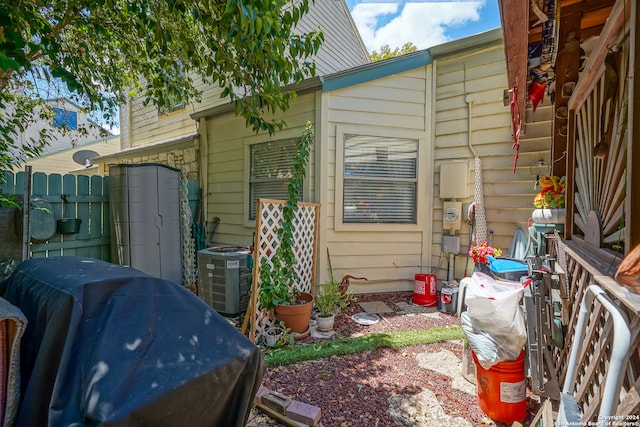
(184, 141)
(376, 70)
(398, 64)
(355, 29)
(308, 85)
(475, 41)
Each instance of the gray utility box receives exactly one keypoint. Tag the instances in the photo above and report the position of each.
(224, 279)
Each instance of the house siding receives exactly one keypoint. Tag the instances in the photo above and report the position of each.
(227, 185)
(342, 49)
(62, 161)
(60, 139)
(429, 103)
(479, 76)
(148, 126)
(389, 255)
(424, 102)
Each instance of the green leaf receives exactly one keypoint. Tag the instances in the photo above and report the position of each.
(7, 64)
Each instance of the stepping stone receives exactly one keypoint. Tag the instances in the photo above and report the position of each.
(375, 307)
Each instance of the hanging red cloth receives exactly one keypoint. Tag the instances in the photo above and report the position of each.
(515, 122)
(535, 93)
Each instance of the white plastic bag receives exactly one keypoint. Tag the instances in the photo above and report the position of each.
(492, 301)
(494, 322)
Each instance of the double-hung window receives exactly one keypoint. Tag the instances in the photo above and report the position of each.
(380, 179)
(271, 165)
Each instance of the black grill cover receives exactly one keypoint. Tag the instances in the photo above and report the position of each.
(109, 345)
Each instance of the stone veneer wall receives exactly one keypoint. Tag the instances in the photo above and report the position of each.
(184, 159)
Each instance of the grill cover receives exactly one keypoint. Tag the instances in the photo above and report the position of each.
(110, 345)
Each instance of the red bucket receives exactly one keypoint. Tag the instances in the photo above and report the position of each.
(424, 290)
(502, 390)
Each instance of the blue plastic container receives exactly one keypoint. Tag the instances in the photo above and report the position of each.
(507, 268)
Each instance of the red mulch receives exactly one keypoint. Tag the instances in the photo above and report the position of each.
(353, 390)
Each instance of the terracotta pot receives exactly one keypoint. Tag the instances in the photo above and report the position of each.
(296, 317)
(325, 324)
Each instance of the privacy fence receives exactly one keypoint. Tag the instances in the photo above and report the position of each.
(70, 196)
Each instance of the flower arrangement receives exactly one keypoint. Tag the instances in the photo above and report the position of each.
(552, 194)
(480, 252)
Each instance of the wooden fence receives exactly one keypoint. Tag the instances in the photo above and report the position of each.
(86, 198)
(71, 196)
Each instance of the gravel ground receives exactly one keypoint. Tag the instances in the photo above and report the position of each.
(411, 386)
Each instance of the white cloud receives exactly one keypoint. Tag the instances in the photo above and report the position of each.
(424, 24)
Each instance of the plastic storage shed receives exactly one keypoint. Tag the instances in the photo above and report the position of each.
(144, 204)
(110, 345)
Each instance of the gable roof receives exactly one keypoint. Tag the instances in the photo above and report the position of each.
(376, 70)
(343, 47)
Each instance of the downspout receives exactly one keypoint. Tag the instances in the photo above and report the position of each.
(469, 100)
(202, 148)
(429, 126)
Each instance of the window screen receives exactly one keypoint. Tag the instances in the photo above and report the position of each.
(380, 179)
(271, 167)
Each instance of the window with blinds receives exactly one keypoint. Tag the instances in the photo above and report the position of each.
(380, 179)
(271, 165)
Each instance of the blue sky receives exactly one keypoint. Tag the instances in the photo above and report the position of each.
(424, 23)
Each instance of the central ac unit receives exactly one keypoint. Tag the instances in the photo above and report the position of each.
(224, 280)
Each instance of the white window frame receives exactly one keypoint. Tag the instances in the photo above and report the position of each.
(341, 133)
(285, 134)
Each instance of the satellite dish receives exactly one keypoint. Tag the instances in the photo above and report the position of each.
(85, 157)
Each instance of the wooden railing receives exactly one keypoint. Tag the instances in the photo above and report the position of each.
(584, 266)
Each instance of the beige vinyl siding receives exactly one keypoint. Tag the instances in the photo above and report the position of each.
(342, 49)
(227, 178)
(62, 161)
(147, 126)
(479, 76)
(389, 255)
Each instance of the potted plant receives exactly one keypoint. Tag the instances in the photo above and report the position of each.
(329, 302)
(277, 335)
(480, 256)
(67, 225)
(550, 202)
(278, 277)
(273, 335)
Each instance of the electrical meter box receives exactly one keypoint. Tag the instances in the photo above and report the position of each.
(454, 180)
(224, 278)
(451, 216)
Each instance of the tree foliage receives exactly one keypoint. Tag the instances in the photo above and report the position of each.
(386, 52)
(105, 51)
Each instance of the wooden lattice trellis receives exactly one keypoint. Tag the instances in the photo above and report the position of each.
(305, 235)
